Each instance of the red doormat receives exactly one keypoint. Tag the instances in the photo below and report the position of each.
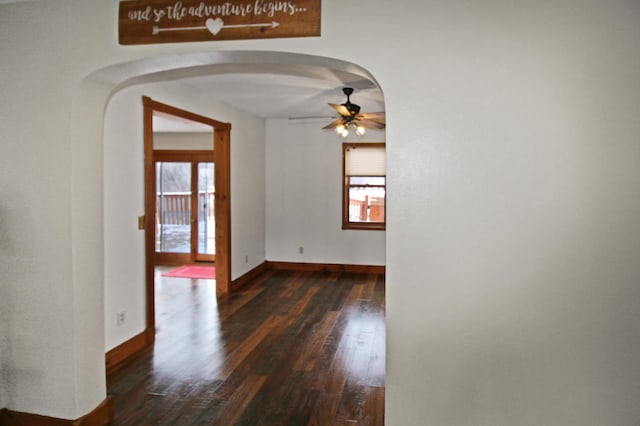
(193, 271)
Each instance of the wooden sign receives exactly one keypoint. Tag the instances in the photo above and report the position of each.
(171, 21)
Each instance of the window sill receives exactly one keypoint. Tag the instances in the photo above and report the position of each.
(364, 226)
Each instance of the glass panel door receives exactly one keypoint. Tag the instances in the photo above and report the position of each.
(173, 207)
(206, 218)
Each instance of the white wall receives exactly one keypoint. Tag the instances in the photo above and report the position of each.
(124, 255)
(304, 198)
(124, 282)
(512, 273)
(48, 363)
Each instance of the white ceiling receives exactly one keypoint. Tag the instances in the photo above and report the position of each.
(278, 92)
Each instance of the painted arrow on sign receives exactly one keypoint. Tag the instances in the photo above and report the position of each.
(214, 26)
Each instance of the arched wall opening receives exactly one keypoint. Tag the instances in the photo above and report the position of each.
(120, 86)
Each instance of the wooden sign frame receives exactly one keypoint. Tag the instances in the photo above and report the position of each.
(180, 21)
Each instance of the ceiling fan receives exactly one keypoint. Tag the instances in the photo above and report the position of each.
(350, 116)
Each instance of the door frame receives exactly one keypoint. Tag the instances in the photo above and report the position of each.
(222, 200)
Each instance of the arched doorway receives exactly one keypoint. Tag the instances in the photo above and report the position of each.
(176, 67)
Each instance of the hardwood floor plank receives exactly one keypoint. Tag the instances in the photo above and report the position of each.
(289, 348)
(236, 357)
(311, 348)
(240, 399)
(352, 403)
(373, 409)
(375, 375)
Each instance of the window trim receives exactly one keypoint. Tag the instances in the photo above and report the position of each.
(346, 224)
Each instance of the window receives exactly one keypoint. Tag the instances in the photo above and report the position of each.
(364, 186)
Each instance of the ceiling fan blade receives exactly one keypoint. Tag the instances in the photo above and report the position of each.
(333, 124)
(373, 116)
(340, 109)
(369, 124)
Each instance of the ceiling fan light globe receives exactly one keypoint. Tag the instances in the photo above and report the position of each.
(360, 130)
(340, 128)
(344, 133)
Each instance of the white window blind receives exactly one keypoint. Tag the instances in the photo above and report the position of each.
(365, 161)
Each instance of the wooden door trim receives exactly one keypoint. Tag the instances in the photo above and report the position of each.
(182, 156)
(171, 111)
(222, 160)
(149, 226)
(222, 208)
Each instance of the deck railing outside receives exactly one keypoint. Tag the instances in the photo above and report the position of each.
(174, 208)
(371, 209)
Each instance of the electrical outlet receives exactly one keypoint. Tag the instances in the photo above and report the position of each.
(120, 318)
(300, 250)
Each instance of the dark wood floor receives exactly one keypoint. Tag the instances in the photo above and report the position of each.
(293, 348)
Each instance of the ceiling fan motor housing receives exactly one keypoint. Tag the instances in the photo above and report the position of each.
(352, 108)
